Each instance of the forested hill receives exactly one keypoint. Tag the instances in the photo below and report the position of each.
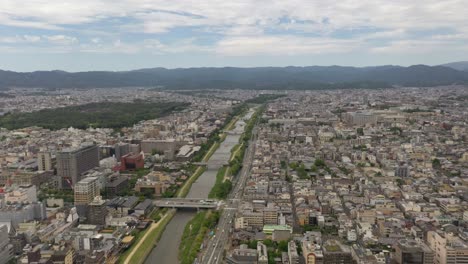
(313, 77)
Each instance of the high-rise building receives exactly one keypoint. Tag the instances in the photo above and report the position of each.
(121, 149)
(84, 193)
(270, 216)
(413, 252)
(402, 171)
(44, 161)
(97, 212)
(448, 248)
(86, 190)
(71, 163)
(6, 249)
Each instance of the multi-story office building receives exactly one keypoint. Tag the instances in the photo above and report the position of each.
(21, 213)
(44, 161)
(242, 255)
(448, 248)
(402, 171)
(293, 256)
(6, 249)
(270, 216)
(71, 163)
(132, 161)
(86, 190)
(22, 194)
(97, 212)
(121, 149)
(312, 253)
(262, 252)
(115, 185)
(360, 118)
(413, 252)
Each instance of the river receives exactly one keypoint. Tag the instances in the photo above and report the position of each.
(167, 249)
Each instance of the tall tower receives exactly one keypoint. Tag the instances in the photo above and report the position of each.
(71, 163)
(44, 161)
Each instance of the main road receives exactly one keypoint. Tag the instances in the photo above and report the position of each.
(218, 243)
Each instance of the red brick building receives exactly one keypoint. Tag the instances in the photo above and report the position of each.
(132, 162)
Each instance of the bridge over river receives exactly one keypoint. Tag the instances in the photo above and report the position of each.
(167, 249)
(187, 203)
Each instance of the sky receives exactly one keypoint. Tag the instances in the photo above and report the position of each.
(119, 35)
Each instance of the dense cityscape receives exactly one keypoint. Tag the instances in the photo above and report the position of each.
(235, 176)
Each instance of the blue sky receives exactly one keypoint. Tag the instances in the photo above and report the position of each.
(122, 35)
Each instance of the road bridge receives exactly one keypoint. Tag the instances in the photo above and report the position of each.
(212, 163)
(234, 132)
(187, 203)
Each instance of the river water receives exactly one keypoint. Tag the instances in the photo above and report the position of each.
(167, 249)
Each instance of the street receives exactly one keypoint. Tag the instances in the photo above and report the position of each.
(216, 245)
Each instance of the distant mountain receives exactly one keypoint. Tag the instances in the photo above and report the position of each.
(312, 77)
(460, 65)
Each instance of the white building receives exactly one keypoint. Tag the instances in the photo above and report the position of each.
(22, 194)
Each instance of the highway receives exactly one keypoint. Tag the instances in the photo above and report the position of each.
(214, 252)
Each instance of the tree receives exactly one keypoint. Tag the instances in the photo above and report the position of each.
(283, 164)
(269, 243)
(283, 245)
(313, 168)
(400, 182)
(360, 131)
(252, 244)
(301, 172)
(319, 163)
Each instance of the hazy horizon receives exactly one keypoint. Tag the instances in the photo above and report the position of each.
(225, 66)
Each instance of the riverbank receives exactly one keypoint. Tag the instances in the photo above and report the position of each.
(153, 233)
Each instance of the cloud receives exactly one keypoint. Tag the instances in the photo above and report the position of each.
(161, 15)
(239, 27)
(61, 39)
(20, 39)
(411, 46)
(282, 45)
(151, 46)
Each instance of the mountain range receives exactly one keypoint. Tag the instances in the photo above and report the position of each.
(311, 77)
(459, 65)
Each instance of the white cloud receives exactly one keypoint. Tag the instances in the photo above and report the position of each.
(167, 14)
(245, 26)
(282, 45)
(61, 39)
(20, 39)
(411, 46)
